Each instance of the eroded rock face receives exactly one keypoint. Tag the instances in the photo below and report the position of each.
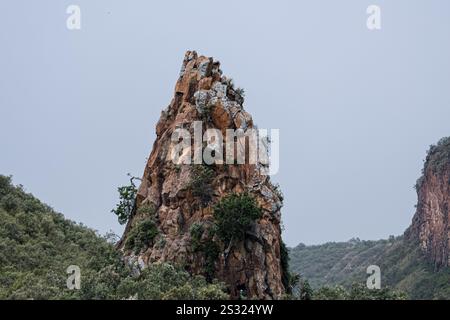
(430, 224)
(253, 265)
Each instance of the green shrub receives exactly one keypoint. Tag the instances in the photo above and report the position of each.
(359, 291)
(438, 157)
(211, 251)
(200, 184)
(209, 248)
(331, 293)
(234, 214)
(197, 289)
(214, 291)
(306, 292)
(126, 206)
(184, 292)
(240, 91)
(196, 232)
(289, 279)
(141, 235)
(147, 209)
(164, 281)
(161, 243)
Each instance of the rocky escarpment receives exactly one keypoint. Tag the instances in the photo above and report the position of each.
(177, 200)
(430, 224)
(414, 263)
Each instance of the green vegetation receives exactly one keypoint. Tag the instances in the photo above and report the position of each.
(196, 232)
(234, 215)
(147, 210)
(37, 245)
(200, 184)
(327, 264)
(356, 292)
(127, 203)
(141, 235)
(240, 91)
(163, 281)
(305, 290)
(144, 231)
(230, 83)
(438, 157)
(157, 281)
(211, 250)
(403, 266)
(208, 248)
(288, 278)
(335, 267)
(331, 293)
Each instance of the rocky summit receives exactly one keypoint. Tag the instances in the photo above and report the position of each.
(177, 201)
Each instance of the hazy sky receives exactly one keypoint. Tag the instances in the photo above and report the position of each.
(356, 109)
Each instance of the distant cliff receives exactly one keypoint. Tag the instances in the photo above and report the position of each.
(416, 262)
(430, 224)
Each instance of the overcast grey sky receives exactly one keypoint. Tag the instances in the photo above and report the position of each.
(356, 109)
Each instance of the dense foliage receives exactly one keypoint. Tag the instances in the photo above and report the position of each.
(437, 160)
(206, 246)
(158, 281)
(37, 245)
(403, 267)
(328, 263)
(357, 291)
(141, 235)
(438, 157)
(234, 215)
(288, 278)
(126, 206)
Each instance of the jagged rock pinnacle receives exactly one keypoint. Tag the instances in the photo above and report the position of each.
(166, 195)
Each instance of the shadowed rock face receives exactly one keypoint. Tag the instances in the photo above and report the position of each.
(252, 265)
(430, 224)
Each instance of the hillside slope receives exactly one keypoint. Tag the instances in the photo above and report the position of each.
(403, 266)
(37, 245)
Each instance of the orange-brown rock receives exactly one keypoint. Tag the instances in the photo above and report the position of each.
(431, 226)
(253, 265)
